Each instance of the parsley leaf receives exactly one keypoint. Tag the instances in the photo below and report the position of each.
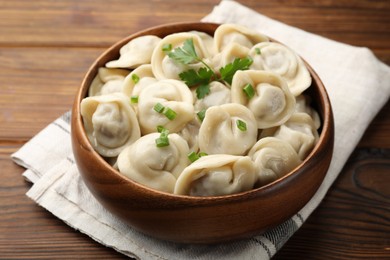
(188, 46)
(230, 69)
(206, 74)
(202, 91)
(185, 54)
(193, 78)
(200, 78)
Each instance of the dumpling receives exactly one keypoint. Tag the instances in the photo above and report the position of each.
(107, 81)
(138, 80)
(219, 95)
(110, 123)
(273, 159)
(136, 52)
(228, 33)
(229, 54)
(227, 129)
(278, 58)
(217, 175)
(207, 40)
(303, 106)
(168, 94)
(165, 67)
(300, 131)
(152, 166)
(190, 133)
(270, 100)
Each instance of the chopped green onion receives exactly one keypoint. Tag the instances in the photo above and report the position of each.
(201, 114)
(169, 113)
(192, 156)
(135, 78)
(164, 132)
(167, 47)
(249, 90)
(159, 108)
(162, 141)
(258, 51)
(202, 154)
(160, 128)
(134, 99)
(241, 125)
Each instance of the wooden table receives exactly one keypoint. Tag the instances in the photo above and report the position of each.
(45, 48)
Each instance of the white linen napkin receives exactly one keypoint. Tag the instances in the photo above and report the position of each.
(358, 85)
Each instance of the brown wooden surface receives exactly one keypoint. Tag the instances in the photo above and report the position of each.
(46, 47)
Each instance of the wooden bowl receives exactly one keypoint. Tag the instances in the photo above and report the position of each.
(187, 219)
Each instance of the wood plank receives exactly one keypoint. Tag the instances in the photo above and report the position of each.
(29, 231)
(38, 85)
(377, 133)
(87, 23)
(352, 222)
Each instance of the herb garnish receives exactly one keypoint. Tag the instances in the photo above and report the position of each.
(241, 125)
(205, 75)
(134, 99)
(167, 47)
(162, 140)
(168, 112)
(201, 114)
(249, 90)
(135, 78)
(230, 69)
(158, 107)
(193, 156)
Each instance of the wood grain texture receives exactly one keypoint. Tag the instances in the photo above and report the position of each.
(353, 222)
(29, 231)
(46, 47)
(44, 80)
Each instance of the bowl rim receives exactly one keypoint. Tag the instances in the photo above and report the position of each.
(77, 121)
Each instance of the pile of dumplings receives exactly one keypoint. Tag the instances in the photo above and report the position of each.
(280, 125)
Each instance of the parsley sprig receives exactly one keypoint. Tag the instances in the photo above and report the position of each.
(187, 55)
(230, 69)
(205, 75)
(200, 78)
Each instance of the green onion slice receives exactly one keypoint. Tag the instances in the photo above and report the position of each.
(169, 113)
(192, 156)
(162, 141)
(201, 114)
(134, 99)
(135, 78)
(202, 154)
(160, 128)
(241, 125)
(258, 51)
(159, 108)
(167, 47)
(164, 132)
(249, 90)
